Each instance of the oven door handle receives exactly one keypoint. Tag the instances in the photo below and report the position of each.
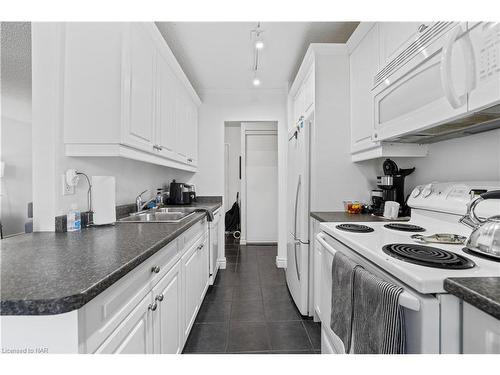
(406, 299)
(321, 239)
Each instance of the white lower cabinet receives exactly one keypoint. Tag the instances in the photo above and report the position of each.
(190, 274)
(134, 334)
(167, 323)
(195, 275)
(161, 322)
(481, 331)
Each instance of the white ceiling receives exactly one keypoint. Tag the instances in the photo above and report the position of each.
(220, 55)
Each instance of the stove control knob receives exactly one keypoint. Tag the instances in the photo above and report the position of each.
(416, 192)
(427, 191)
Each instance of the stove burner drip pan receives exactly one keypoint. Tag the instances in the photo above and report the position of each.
(356, 228)
(427, 256)
(404, 227)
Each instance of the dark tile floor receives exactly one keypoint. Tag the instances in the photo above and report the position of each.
(249, 309)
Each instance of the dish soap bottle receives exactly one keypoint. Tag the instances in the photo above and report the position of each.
(74, 219)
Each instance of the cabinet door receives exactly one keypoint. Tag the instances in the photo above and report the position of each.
(204, 258)
(140, 132)
(396, 36)
(191, 282)
(363, 67)
(181, 115)
(167, 320)
(134, 334)
(192, 136)
(165, 120)
(481, 332)
(309, 91)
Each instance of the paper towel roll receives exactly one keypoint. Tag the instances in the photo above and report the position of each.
(104, 199)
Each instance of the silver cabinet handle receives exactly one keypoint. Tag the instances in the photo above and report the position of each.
(152, 306)
(155, 269)
(159, 298)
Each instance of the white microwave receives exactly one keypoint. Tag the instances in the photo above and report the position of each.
(444, 84)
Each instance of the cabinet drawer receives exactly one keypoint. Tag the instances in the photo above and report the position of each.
(192, 234)
(105, 312)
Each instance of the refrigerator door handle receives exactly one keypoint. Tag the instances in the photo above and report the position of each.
(296, 242)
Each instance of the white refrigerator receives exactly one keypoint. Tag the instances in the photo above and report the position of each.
(298, 203)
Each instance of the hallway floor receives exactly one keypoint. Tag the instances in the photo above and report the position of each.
(249, 309)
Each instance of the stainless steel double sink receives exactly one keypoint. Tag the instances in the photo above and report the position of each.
(160, 215)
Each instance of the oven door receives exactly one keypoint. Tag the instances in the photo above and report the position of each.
(422, 317)
(429, 89)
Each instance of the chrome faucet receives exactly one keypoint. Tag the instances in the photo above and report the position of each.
(139, 204)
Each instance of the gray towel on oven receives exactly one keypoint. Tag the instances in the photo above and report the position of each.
(342, 297)
(378, 322)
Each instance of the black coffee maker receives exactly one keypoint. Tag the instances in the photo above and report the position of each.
(392, 184)
(179, 193)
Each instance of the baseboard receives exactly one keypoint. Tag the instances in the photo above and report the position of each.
(280, 262)
(222, 263)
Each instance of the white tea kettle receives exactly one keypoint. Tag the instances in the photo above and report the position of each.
(485, 237)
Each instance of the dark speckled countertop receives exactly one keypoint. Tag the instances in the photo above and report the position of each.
(481, 292)
(51, 273)
(341, 216)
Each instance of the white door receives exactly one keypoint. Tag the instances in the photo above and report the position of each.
(134, 334)
(363, 67)
(165, 121)
(142, 89)
(191, 287)
(261, 166)
(167, 322)
(203, 259)
(214, 245)
(298, 213)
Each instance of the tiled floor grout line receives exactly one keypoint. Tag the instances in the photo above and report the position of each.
(308, 336)
(257, 258)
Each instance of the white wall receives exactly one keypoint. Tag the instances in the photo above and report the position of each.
(49, 159)
(472, 158)
(232, 137)
(15, 145)
(241, 105)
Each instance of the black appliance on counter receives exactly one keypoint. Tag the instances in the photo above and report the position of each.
(179, 193)
(392, 184)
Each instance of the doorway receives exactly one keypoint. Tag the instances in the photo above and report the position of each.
(251, 172)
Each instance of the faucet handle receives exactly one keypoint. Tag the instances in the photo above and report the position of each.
(140, 194)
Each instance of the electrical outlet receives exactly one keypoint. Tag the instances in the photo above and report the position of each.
(66, 189)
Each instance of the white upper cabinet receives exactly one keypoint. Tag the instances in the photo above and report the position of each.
(363, 67)
(140, 132)
(125, 95)
(165, 121)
